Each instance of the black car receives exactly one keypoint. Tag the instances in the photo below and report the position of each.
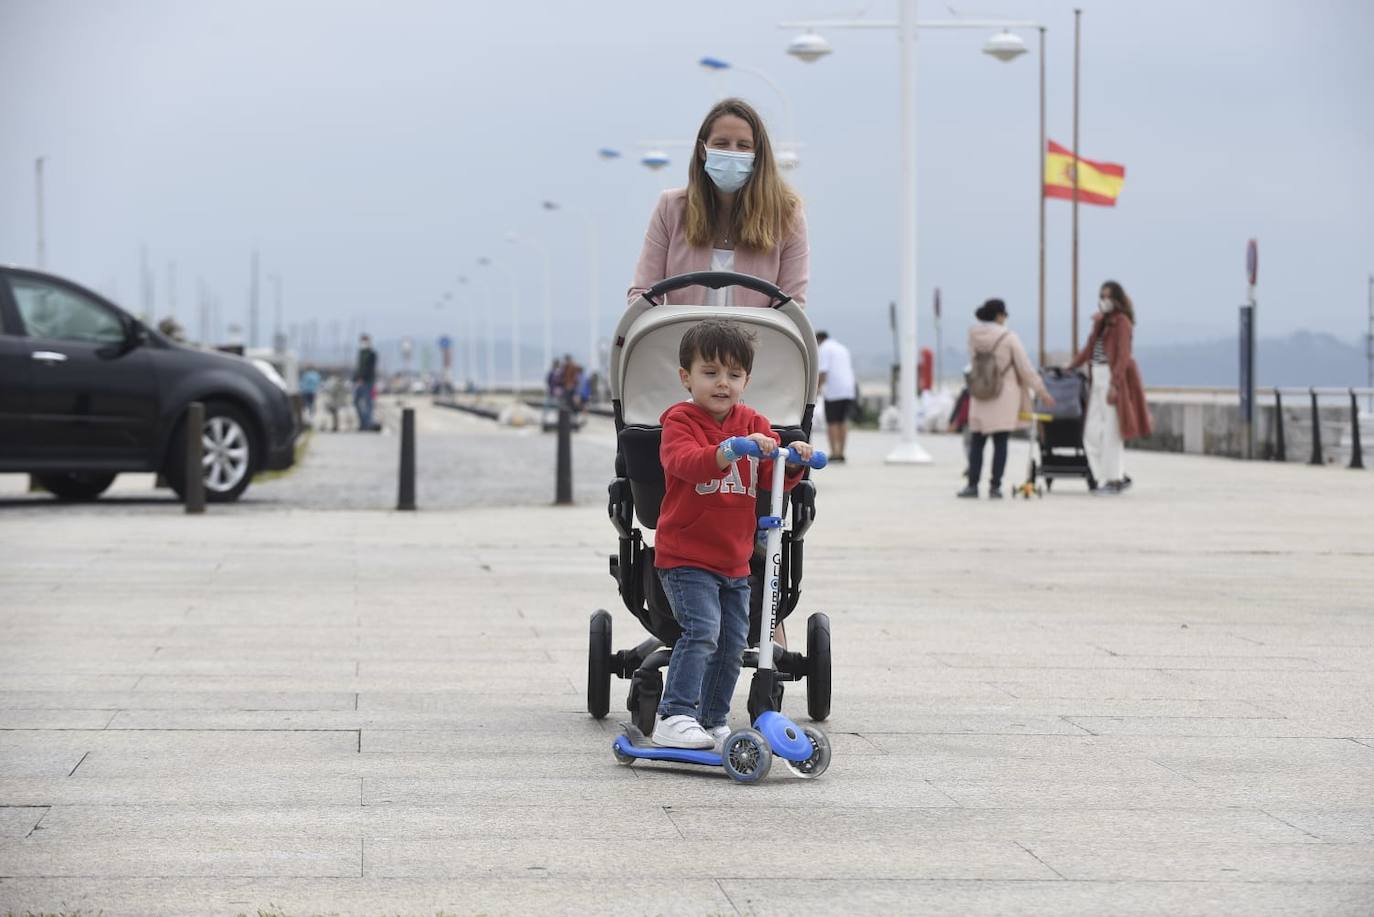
(87, 391)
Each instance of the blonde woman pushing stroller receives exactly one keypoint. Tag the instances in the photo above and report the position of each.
(736, 214)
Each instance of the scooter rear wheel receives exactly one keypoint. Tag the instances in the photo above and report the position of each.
(745, 755)
(818, 666)
(599, 665)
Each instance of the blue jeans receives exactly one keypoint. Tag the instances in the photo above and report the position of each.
(362, 400)
(713, 611)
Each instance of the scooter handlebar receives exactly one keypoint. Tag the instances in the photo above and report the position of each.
(742, 445)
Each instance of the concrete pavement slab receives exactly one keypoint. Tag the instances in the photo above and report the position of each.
(413, 684)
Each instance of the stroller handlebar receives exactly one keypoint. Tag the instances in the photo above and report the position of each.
(743, 445)
(715, 280)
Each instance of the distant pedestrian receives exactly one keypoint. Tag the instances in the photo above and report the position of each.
(364, 378)
(999, 378)
(310, 386)
(839, 389)
(335, 399)
(1117, 410)
(553, 381)
(570, 382)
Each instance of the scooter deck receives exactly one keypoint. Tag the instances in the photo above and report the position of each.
(636, 744)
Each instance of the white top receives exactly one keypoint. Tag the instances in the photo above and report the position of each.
(834, 363)
(722, 259)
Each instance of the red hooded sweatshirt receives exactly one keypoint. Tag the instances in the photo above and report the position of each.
(709, 515)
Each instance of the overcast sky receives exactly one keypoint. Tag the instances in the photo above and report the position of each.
(373, 151)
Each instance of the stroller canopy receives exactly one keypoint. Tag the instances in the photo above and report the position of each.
(644, 360)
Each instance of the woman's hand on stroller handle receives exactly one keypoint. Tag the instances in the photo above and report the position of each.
(796, 454)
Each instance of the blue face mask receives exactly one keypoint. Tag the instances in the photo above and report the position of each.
(729, 170)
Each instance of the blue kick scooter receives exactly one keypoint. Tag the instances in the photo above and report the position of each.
(747, 754)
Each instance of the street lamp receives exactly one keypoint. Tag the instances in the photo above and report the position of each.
(470, 327)
(594, 275)
(514, 322)
(810, 47)
(655, 160)
(786, 156)
(515, 238)
(1005, 46)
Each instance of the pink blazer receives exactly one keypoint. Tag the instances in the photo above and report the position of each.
(666, 254)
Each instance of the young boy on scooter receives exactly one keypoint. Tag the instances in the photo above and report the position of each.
(706, 529)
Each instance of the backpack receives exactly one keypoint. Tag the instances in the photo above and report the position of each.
(984, 378)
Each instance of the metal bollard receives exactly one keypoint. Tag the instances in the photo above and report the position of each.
(1316, 432)
(563, 494)
(1280, 447)
(406, 498)
(195, 458)
(1356, 454)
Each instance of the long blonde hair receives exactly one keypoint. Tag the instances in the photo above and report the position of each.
(764, 208)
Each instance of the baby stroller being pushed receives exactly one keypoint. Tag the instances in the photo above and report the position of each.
(1057, 433)
(643, 381)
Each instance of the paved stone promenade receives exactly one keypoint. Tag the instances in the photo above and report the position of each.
(1157, 704)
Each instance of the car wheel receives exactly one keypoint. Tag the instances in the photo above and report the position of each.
(229, 454)
(75, 485)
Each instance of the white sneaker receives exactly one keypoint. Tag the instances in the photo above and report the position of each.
(718, 735)
(681, 731)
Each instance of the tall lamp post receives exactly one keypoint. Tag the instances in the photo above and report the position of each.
(811, 47)
(514, 322)
(490, 348)
(594, 277)
(469, 328)
(515, 238)
(38, 200)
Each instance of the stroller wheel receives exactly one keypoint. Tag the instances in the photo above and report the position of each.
(599, 665)
(818, 666)
(746, 756)
(815, 765)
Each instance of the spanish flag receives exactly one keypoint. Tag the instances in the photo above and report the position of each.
(1098, 182)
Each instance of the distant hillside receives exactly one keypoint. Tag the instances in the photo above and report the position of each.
(1298, 360)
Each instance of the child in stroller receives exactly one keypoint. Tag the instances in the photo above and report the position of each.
(782, 386)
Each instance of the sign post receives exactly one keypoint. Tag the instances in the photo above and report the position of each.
(1248, 317)
(939, 343)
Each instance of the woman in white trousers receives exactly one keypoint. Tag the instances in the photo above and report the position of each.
(1117, 411)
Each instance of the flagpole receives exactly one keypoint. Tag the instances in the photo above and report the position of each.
(1040, 188)
(1073, 342)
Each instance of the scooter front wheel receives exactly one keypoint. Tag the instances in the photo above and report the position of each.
(620, 756)
(815, 765)
(746, 756)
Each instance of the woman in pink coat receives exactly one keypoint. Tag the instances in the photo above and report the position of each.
(736, 214)
(996, 417)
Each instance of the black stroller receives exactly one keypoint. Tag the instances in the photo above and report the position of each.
(643, 385)
(1057, 433)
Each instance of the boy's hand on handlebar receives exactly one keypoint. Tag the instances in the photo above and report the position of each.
(767, 444)
(804, 451)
